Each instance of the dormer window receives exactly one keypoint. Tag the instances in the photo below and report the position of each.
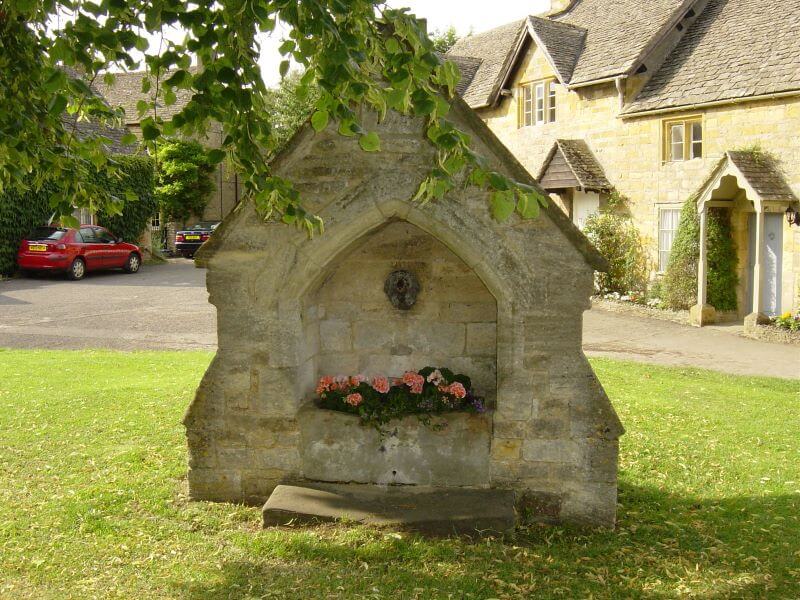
(537, 103)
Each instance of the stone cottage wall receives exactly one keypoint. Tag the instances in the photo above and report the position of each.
(629, 150)
(554, 430)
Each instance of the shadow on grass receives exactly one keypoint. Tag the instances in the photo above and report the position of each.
(666, 545)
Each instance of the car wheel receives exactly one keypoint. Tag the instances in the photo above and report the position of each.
(133, 263)
(77, 270)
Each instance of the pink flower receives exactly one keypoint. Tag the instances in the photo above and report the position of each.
(341, 382)
(324, 384)
(380, 384)
(356, 380)
(414, 380)
(354, 399)
(457, 389)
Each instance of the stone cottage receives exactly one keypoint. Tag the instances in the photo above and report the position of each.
(501, 302)
(657, 102)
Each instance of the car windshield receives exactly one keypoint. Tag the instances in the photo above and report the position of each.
(47, 233)
(209, 225)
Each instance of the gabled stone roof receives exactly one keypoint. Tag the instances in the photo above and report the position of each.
(735, 49)
(762, 173)
(92, 129)
(494, 49)
(562, 42)
(618, 31)
(582, 162)
(88, 129)
(590, 41)
(126, 91)
(468, 67)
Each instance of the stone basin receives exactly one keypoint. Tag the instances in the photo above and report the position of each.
(336, 447)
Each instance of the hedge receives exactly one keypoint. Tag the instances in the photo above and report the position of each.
(138, 176)
(21, 212)
(679, 285)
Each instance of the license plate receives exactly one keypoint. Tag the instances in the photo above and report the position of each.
(37, 247)
(192, 237)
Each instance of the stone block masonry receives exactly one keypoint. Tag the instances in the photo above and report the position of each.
(500, 302)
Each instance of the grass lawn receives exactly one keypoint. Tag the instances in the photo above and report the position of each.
(93, 499)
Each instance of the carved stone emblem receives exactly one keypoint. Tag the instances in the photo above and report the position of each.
(402, 289)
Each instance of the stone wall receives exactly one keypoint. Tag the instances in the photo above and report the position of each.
(629, 150)
(452, 324)
(554, 436)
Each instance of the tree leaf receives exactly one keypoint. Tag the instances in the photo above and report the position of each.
(502, 204)
(527, 205)
(149, 130)
(319, 120)
(216, 155)
(370, 142)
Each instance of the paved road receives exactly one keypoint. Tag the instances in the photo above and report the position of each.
(166, 307)
(161, 307)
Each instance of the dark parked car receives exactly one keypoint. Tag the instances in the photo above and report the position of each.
(76, 251)
(187, 241)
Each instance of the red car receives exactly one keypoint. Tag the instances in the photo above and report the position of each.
(76, 251)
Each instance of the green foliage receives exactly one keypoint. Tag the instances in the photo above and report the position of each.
(129, 185)
(183, 181)
(428, 392)
(290, 104)
(618, 240)
(788, 321)
(137, 176)
(679, 284)
(19, 214)
(356, 52)
(444, 40)
(708, 506)
(722, 261)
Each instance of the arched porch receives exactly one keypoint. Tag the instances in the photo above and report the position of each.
(749, 185)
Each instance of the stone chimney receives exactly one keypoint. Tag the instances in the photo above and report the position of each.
(557, 6)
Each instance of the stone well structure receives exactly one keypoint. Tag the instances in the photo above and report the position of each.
(500, 302)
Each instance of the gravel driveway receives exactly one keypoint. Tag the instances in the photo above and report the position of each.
(166, 307)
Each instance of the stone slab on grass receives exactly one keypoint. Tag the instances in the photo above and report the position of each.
(432, 511)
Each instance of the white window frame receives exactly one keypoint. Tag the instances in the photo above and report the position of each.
(537, 102)
(527, 106)
(540, 103)
(683, 139)
(666, 233)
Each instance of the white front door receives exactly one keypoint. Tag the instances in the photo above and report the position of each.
(772, 265)
(584, 205)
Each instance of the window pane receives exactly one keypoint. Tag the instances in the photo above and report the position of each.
(676, 141)
(551, 102)
(697, 140)
(667, 227)
(539, 103)
(527, 106)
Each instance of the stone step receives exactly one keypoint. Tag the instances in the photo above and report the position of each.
(433, 511)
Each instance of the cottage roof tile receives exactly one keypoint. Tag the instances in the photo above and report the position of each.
(735, 49)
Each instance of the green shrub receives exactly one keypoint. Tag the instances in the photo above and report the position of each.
(680, 279)
(183, 183)
(618, 240)
(138, 176)
(21, 212)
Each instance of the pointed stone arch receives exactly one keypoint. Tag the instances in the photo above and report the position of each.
(554, 431)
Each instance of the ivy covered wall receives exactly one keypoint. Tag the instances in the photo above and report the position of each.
(20, 213)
